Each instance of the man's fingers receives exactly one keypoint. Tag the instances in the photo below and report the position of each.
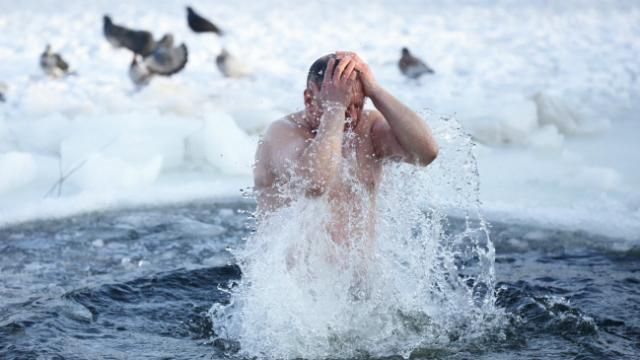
(342, 65)
(328, 72)
(349, 69)
(342, 54)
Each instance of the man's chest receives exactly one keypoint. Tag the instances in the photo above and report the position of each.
(359, 170)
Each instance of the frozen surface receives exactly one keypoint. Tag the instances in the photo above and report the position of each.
(548, 90)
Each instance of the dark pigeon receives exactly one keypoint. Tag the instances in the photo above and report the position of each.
(139, 41)
(166, 59)
(53, 64)
(411, 66)
(199, 24)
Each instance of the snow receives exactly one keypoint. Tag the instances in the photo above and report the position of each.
(549, 90)
(23, 170)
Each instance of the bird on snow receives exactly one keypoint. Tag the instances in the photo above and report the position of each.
(53, 64)
(139, 73)
(230, 66)
(3, 91)
(139, 41)
(411, 66)
(199, 24)
(167, 59)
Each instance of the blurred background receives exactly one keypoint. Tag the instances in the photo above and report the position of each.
(548, 90)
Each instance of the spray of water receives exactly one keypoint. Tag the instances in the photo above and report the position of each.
(425, 282)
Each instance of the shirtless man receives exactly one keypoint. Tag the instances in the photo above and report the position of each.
(305, 153)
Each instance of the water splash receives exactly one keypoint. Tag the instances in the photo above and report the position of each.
(426, 282)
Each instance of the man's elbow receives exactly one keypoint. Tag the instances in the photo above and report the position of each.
(319, 183)
(316, 188)
(315, 191)
(428, 155)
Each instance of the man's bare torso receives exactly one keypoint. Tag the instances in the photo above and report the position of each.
(351, 195)
(331, 153)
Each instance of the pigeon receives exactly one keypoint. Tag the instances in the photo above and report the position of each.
(166, 59)
(53, 64)
(230, 66)
(139, 41)
(3, 91)
(199, 24)
(411, 66)
(139, 73)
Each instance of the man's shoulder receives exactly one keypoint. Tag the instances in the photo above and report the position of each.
(285, 126)
(282, 133)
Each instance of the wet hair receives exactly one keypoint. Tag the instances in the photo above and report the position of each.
(317, 69)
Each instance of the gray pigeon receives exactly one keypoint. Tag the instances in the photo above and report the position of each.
(230, 66)
(3, 91)
(166, 59)
(139, 41)
(53, 64)
(411, 66)
(139, 73)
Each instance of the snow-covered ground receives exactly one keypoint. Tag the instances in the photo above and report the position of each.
(548, 89)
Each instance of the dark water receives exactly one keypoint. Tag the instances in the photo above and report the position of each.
(137, 284)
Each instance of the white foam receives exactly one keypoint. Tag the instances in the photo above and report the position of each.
(306, 294)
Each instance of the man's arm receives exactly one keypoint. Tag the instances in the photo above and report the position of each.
(320, 161)
(399, 133)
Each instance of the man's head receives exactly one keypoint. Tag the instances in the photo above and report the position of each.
(315, 77)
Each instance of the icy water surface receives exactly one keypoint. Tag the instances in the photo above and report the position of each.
(138, 284)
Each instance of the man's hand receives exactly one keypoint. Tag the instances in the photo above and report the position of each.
(366, 76)
(399, 132)
(337, 84)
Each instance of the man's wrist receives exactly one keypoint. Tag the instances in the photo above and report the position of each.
(334, 106)
(333, 113)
